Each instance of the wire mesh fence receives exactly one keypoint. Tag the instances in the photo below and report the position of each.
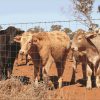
(72, 24)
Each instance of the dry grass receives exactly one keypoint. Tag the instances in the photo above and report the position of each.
(13, 89)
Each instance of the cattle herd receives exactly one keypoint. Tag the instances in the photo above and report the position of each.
(46, 48)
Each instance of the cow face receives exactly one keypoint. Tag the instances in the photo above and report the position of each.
(26, 41)
(39, 39)
(79, 41)
(35, 40)
(11, 32)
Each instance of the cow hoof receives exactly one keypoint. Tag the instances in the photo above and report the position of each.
(89, 87)
(60, 82)
(98, 85)
(36, 82)
(28, 64)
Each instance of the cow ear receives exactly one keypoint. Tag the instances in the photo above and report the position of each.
(40, 38)
(35, 41)
(17, 39)
(90, 35)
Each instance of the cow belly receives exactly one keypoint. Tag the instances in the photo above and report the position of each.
(58, 54)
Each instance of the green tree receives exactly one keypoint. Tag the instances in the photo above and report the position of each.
(1, 27)
(71, 35)
(36, 29)
(55, 27)
(67, 30)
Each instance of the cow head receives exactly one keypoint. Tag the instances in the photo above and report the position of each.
(39, 39)
(25, 41)
(80, 40)
(11, 32)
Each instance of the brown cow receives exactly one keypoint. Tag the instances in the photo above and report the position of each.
(50, 47)
(81, 43)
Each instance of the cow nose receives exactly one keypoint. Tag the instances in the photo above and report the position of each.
(21, 52)
(72, 48)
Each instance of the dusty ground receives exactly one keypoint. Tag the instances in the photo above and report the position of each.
(67, 92)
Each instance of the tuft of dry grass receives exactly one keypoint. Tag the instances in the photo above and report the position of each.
(13, 89)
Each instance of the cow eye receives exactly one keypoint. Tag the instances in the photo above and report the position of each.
(35, 40)
(79, 38)
(30, 42)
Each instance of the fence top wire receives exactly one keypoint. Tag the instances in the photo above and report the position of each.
(48, 22)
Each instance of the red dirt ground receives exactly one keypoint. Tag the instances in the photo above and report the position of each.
(69, 92)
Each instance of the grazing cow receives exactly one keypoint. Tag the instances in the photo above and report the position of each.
(82, 44)
(8, 50)
(47, 47)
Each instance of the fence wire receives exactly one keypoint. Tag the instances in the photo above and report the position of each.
(72, 24)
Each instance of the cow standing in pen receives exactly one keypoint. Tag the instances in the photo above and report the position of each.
(45, 48)
(81, 42)
(8, 50)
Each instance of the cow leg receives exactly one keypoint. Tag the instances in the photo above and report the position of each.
(98, 77)
(74, 66)
(36, 71)
(98, 81)
(60, 81)
(84, 72)
(0, 73)
(46, 69)
(47, 66)
(60, 68)
(9, 69)
(89, 74)
(4, 75)
(9, 72)
(36, 82)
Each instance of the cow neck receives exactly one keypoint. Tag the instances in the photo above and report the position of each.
(33, 52)
(39, 46)
(91, 45)
(34, 48)
(90, 48)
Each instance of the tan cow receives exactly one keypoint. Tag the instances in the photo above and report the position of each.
(50, 47)
(81, 43)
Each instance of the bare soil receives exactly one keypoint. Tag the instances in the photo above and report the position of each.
(67, 92)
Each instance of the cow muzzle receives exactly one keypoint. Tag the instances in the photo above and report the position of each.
(21, 53)
(74, 48)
